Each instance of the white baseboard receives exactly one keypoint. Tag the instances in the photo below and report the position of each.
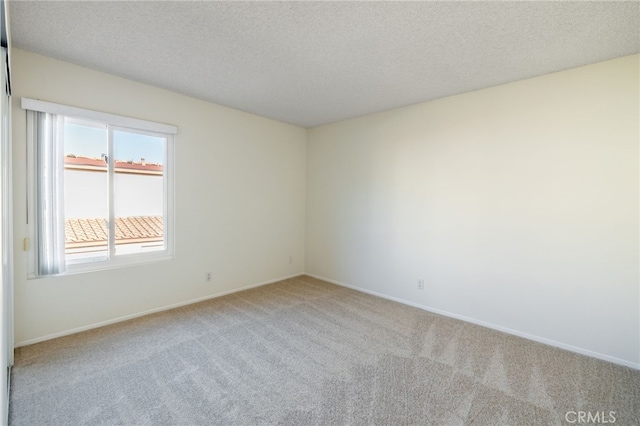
(528, 336)
(148, 312)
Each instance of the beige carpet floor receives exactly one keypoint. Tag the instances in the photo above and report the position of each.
(306, 352)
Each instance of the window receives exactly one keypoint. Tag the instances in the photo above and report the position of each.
(101, 189)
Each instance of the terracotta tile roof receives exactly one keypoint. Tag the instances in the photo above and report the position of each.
(124, 166)
(98, 164)
(93, 232)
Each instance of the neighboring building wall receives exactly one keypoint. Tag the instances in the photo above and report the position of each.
(141, 195)
(83, 197)
(86, 194)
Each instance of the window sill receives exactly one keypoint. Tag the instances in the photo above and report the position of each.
(98, 266)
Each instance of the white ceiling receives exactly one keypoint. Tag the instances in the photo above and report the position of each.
(312, 63)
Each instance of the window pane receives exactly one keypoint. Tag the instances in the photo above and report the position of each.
(86, 187)
(138, 192)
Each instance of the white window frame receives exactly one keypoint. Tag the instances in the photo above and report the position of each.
(115, 123)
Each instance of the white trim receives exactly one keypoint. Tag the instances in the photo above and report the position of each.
(103, 264)
(528, 336)
(150, 311)
(111, 223)
(169, 184)
(87, 114)
(534, 338)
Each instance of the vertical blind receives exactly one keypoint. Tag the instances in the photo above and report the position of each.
(49, 185)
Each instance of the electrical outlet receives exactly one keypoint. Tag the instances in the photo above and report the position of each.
(208, 276)
(420, 284)
(290, 259)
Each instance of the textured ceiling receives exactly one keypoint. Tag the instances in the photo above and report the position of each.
(311, 63)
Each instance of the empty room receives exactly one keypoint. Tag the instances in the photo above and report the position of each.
(320, 213)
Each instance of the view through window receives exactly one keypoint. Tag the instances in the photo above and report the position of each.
(129, 188)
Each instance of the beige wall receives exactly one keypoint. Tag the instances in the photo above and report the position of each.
(518, 206)
(239, 209)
